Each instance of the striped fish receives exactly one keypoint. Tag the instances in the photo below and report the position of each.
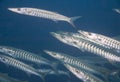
(102, 40)
(77, 63)
(20, 65)
(85, 45)
(44, 14)
(25, 55)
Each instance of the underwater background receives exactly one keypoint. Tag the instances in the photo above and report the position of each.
(33, 33)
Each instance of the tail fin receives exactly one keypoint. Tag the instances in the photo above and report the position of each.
(42, 75)
(72, 19)
(107, 72)
(54, 65)
(102, 72)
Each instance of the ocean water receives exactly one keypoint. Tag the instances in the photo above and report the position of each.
(33, 33)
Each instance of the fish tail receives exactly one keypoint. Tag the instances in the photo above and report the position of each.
(107, 72)
(72, 19)
(42, 75)
(54, 65)
(103, 72)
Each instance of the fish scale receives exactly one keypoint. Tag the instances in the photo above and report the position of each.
(85, 45)
(94, 49)
(73, 61)
(24, 55)
(19, 65)
(44, 14)
(101, 40)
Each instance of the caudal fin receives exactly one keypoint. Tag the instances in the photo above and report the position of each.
(54, 66)
(42, 75)
(72, 19)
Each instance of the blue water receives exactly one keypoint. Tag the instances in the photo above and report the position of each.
(33, 34)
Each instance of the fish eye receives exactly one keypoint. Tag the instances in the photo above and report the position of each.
(90, 34)
(18, 9)
(63, 58)
(3, 59)
(54, 54)
(77, 71)
(63, 36)
(75, 42)
(99, 39)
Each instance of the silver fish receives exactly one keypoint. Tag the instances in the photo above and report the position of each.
(25, 55)
(85, 45)
(44, 14)
(20, 65)
(81, 74)
(77, 63)
(102, 40)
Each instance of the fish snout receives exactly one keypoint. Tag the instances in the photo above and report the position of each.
(17, 10)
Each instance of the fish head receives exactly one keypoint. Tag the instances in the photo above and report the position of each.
(64, 37)
(17, 10)
(54, 54)
(3, 59)
(88, 35)
(77, 72)
(6, 50)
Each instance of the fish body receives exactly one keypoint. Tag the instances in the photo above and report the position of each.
(44, 14)
(102, 40)
(73, 61)
(83, 75)
(85, 45)
(20, 65)
(24, 55)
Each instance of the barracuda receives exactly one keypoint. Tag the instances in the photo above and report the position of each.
(102, 40)
(85, 45)
(44, 14)
(20, 65)
(77, 63)
(81, 74)
(25, 55)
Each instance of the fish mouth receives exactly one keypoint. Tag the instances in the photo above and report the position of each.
(82, 32)
(56, 35)
(51, 53)
(47, 51)
(17, 10)
(12, 9)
